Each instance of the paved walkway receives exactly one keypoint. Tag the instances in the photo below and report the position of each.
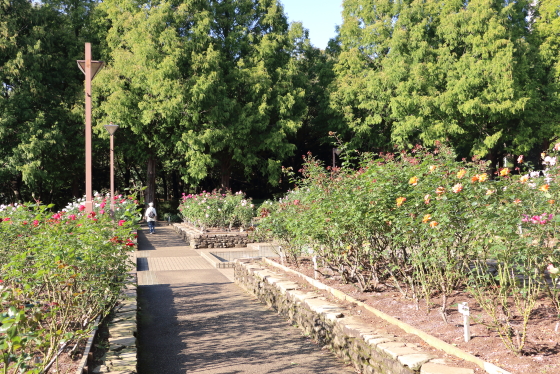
(194, 319)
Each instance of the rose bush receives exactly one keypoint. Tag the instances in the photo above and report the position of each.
(58, 273)
(126, 207)
(428, 225)
(214, 209)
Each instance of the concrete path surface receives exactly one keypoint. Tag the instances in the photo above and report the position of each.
(194, 319)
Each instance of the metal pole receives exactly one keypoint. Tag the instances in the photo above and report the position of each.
(89, 192)
(112, 181)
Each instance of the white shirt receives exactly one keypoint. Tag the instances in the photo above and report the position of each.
(148, 219)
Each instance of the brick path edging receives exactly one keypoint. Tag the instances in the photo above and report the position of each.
(369, 349)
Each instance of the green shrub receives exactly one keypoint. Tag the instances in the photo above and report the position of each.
(58, 273)
(213, 209)
(427, 224)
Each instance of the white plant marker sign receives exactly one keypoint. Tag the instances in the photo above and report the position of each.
(315, 267)
(281, 252)
(464, 310)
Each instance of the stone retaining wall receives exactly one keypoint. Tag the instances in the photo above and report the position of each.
(200, 239)
(369, 349)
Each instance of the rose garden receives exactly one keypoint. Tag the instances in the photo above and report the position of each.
(418, 222)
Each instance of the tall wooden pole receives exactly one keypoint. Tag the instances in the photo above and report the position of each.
(89, 192)
(112, 180)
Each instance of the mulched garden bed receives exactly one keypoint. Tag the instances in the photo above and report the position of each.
(542, 348)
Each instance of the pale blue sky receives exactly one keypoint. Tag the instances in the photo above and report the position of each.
(318, 16)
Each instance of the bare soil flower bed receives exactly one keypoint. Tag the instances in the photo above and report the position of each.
(543, 350)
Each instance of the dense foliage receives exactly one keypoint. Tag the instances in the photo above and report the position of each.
(216, 210)
(58, 273)
(427, 225)
(481, 73)
(218, 94)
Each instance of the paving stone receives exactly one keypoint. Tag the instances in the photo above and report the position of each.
(123, 324)
(356, 328)
(430, 368)
(118, 337)
(395, 352)
(123, 341)
(123, 317)
(390, 345)
(273, 279)
(376, 335)
(320, 305)
(286, 286)
(100, 369)
(375, 341)
(126, 314)
(126, 308)
(333, 316)
(301, 296)
(128, 350)
(129, 293)
(123, 364)
(440, 361)
(415, 360)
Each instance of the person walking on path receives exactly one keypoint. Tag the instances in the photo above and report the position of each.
(151, 217)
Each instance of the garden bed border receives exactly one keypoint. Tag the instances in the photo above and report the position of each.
(364, 346)
(199, 239)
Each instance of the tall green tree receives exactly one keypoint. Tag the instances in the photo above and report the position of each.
(40, 121)
(423, 71)
(142, 88)
(210, 83)
(320, 118)
(246, 93)
(545, 50)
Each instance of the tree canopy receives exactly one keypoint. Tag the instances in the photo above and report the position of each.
(223, 93)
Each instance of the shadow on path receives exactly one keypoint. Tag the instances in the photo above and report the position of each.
(164, 237)
(214, 328)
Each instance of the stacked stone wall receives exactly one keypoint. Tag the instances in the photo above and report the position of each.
(369, 349)
(214, 239)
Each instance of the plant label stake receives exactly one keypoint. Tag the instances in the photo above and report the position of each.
(464, 310)
(315, 268)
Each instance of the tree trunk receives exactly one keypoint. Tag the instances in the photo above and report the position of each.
(76, 188)
(150, 196)
(165, 188)
(494, 157)
(175, 183)
(126, 174)
(226, 173)
(16, 187)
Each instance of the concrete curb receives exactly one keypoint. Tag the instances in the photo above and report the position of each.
(431, 340)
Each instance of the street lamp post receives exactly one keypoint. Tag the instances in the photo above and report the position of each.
(335, 151)
(111, 128)
(90, 69)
